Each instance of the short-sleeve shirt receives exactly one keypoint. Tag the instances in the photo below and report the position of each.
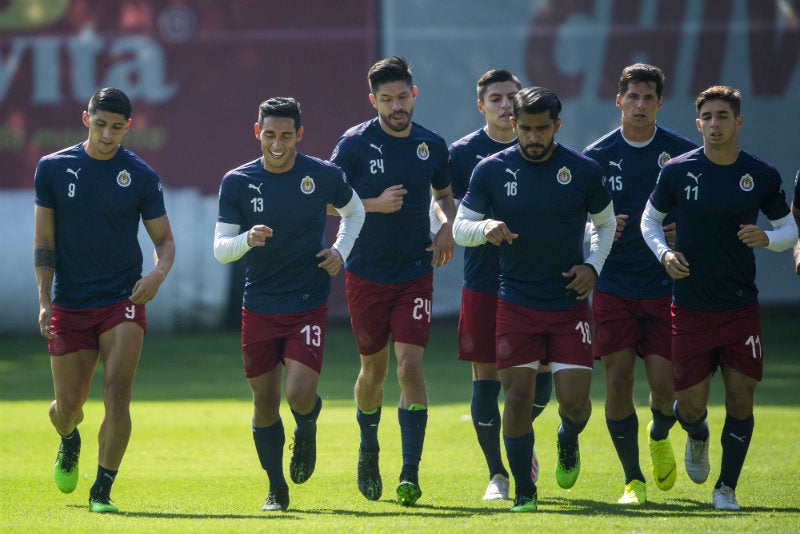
(481, 263)
(98, 205)
(283, 276)
(631, 270)
(710, 203)
(546, 203)
(391, 247)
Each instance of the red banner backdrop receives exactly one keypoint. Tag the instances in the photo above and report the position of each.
(195, 71)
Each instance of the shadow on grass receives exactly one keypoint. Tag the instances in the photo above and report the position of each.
(557, 505)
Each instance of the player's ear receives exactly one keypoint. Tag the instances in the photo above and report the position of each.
(299, 134)
(480, 106)
(85, 118)
(373, 101)
(415, 91)
(257, 130)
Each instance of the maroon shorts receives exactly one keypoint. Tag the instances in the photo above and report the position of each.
(642, 324)
(377, 310)
(526, 335)
(80, 328)
(702, 341)
(269, 338)
(476, 326)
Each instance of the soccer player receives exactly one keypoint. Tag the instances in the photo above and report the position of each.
(630, 304)
(538, 195)
(273, 211)
(393, 164)
(476, 322)
(796, 213)
(89, 199)
(716, 193)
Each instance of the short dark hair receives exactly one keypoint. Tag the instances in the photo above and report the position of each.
(495, 76)
(112, 100)
(725, 93)
(641, 72)
(280, 106)
(392, 69)
(536, 100)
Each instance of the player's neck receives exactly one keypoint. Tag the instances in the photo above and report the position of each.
(638, 134)
(726, 154)
(500, 135)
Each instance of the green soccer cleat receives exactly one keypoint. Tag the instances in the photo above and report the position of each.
(65, 471)
(568, 466)
(664, 469)
(304, 459)
(102, 505)
(525, 503)
(408, 493)
(635, 493)
(369, 475)
(277, 500)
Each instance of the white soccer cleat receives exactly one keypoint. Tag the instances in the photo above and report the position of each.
(724, 498)
(497, 489)
(696, 459)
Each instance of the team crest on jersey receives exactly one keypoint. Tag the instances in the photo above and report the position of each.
(564, 176)
(123, 178)
(307, 185)
(663, 158)
(746, 183)
(422, 151)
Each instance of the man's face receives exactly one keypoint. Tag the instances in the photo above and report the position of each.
(536, 134)
(394, 102)
(106, 131)
(278, 142)
(497, 104)
(639, 105)
(718, 124)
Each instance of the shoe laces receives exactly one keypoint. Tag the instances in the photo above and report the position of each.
(566, 455)
(697, 447)
(69, 458)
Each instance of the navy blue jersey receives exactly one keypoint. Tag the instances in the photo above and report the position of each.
(546, 204)
(711, 202)
(282, 276)
(631, 270)
(481, 263)
(796, 199)
(391, 247)
(98, 205)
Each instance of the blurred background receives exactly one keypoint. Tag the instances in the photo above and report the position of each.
(197, 70)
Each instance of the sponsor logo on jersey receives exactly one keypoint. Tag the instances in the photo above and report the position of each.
(564, 176)
(616, 164)
(663, 158)
(123, 178)
(378, 148)
(512, 173)
(422, 151)
(74, 173)
(746, 183)
(694, 177)
(307, 185)
(256, 187)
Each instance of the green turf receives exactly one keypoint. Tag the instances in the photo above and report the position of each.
(191, 465)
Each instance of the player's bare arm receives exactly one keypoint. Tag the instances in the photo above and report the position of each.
(160, 234)
(496, 232)
(583, 280)
(332, 262)
(443, 242)
(389, 201)
(44, 264)
(676, 265)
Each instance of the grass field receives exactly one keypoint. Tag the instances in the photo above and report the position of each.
(191, 465)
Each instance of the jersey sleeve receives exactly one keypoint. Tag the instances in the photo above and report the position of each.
(796, 199)
(459, 176)
(342, 192)
(229, 201)
(441, 176)
(661, 198)
(599, 196)
(152, 205)
(477, 197)
(775, 206)
(42, 184)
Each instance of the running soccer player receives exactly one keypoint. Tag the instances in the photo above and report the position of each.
(716, 193)
(630, 304)
(476, 322)
(89, 199)
(393, 164)
(273, 211)
(538, 195)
